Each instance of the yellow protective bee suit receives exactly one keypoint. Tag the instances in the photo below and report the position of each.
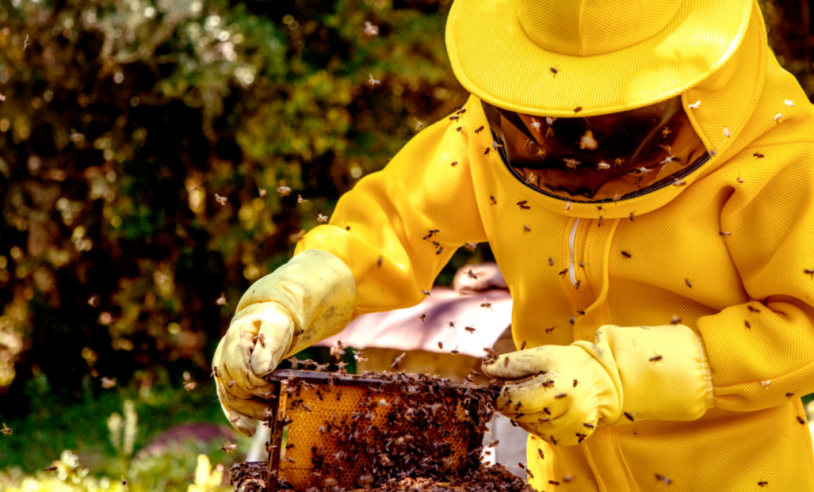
(745, 292)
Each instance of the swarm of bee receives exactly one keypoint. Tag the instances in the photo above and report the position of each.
(378, 431)
(250, 477)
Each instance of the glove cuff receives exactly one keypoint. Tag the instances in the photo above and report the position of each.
(317, 289)
(663, 371)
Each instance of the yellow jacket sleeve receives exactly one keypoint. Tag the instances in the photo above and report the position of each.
(398, 227)
(761, 353)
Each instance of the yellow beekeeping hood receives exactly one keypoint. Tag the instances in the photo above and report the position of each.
(589, 57)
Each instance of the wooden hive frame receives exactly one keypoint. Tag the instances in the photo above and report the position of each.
(294, 390)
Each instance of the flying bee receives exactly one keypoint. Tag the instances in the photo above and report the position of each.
(629, 416)
(470, 274)
(426, 292)
(687, 281)
(470, 329)
(626, 254)
(725, 233)
(554, 71)
(6, 430)
(370, 30)
(398, 359)
(589, 426)
(759, 155)
(656, 358)
(809, 271)
(561, 395)
(752, 309)
(486, 305)
(676, 320)
(215, 372)
(790, 394)
(423, 318)
(662, 478)
(228, 448)
(762, 484)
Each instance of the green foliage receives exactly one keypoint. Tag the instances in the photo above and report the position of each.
(165, 473)
(135, 139)
(54, 424)
(110, 445)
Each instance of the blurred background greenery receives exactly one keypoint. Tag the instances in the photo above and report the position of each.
(141, 146)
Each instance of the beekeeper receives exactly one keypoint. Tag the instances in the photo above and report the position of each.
(644, 174)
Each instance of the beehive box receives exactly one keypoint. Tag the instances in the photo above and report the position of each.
(330, 429)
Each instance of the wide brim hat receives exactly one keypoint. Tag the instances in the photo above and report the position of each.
(589, 57)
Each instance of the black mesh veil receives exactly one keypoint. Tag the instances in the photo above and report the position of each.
(599, 158)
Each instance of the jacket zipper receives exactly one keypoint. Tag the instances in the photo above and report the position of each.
(571, 268)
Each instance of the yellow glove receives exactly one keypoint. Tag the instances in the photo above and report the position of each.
(562, 394)
(304, 301)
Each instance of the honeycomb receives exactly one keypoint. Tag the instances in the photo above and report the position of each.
(356, 434)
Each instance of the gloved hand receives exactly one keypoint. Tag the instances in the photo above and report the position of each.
(563, 393)
(304, 301)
